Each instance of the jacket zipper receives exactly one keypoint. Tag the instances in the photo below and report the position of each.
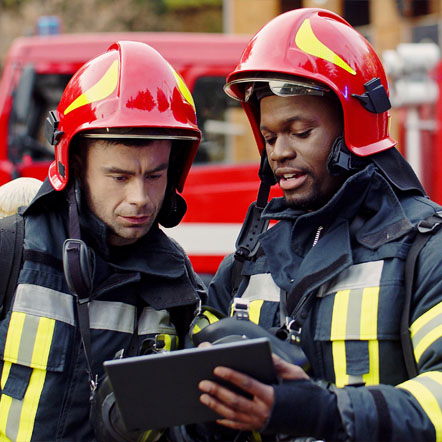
(318, 234)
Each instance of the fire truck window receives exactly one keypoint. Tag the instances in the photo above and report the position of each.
(27, 137)
(213, 108)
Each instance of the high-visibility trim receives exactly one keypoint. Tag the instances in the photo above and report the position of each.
(354, 317)
(262, 287)
(42, 301)
(357, 276)
(337, 335)
(114, 316)
(13, 337)
(18, 416)
(372, 377)
(103, 315)
(369, 328)
(11, 348)
(155, 321)
(427, 390)
(255, 310)
(307, 41)
(426, 330)
(32, 396)
(99, 91)
(5, 404)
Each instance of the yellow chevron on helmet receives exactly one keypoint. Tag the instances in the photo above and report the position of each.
(99, 91)
(307, 41)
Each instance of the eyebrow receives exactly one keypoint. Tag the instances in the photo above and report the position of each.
(289, 121)
(117, 170)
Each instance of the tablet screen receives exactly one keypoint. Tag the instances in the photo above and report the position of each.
(161, 390)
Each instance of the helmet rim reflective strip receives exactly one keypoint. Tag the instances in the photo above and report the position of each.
(139, 137)
(313, 88)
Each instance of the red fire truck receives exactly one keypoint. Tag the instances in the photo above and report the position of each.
(223, 180)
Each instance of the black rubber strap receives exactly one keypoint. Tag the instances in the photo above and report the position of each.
(384, 428)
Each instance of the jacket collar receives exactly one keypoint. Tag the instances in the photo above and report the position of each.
(154, 254)
(368, 195)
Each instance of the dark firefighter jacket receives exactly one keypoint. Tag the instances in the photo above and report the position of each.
(348, 257)
(143, 288)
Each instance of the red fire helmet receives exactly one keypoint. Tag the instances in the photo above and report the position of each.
(316, 51)
(130, 91)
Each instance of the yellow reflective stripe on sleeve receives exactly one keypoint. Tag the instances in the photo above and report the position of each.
(426, 330)
(13, 337)
(11, 348)
(19, 415)
(255, 310)
(5, 404)
(337, 334)
(427, 390)
(369, 330)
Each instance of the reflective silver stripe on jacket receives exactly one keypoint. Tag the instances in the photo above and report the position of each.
(262, 287)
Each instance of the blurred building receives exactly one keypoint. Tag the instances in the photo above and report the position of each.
(385, 23)
(407, 35)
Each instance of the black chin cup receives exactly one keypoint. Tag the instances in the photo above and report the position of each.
(173, 209)
(343, 162)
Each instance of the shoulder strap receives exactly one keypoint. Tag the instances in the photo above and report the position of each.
(12, 232)
(425, 229)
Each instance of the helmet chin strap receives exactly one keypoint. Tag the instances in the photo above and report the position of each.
(341, 161)
(173, 209)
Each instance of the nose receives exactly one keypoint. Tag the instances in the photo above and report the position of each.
(138, 193)
(282, 149)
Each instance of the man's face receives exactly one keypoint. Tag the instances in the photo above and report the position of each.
(299, 132)
(125, 186)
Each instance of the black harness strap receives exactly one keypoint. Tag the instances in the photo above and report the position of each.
(247, 244)
(425, 229)
(12, 232)
(78, 269)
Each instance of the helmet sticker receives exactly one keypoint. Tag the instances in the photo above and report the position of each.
(99, 91)
(307, 41)
(183, 88)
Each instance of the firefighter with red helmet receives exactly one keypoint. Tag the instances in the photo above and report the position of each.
(99, 276)
(329, 276)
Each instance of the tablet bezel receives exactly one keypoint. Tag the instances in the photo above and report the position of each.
(153, 391)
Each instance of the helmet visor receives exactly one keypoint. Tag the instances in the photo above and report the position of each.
(140, 134)
(243, 89)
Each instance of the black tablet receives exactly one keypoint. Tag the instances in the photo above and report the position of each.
(161, 390)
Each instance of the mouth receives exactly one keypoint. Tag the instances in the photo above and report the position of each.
(136, 220)
(291, 180)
